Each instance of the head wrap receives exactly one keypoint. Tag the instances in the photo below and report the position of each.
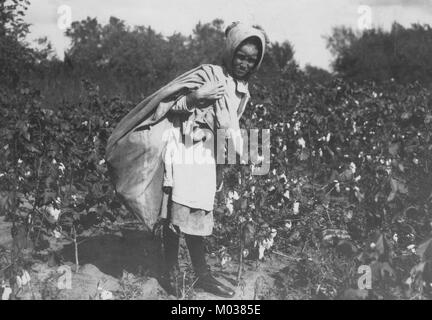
(235, 35)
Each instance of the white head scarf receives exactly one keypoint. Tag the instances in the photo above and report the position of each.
(235, 36)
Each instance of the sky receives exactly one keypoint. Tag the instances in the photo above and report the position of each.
(304, 23)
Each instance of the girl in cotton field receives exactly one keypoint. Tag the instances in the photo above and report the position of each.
(145, 160)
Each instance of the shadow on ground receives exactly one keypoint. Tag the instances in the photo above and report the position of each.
(134, 251)
(139, 253)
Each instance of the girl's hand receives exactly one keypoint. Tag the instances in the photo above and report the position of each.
(211, 91)
(208, 92)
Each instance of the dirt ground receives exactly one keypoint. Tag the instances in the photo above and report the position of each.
(123, 263)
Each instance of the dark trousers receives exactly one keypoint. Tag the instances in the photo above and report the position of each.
(195, 246)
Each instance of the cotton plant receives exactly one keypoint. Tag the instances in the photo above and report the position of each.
(301, 142)
(52, 212)
(412, 248)
(6, 292)
(57, 233)
(104, 294)
(296, 208)
(233, 195)
(266, 243)
(225, 259)
(230, 206)
(337, 185)
(62, 168)
(229, 201)
(23, 280)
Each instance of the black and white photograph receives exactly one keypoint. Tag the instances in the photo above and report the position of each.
(215, 154)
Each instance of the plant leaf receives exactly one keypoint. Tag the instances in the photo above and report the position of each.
(424, 250)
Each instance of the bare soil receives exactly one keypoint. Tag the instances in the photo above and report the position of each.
(125, 260)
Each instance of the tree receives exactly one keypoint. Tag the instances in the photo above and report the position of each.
(317, 75)
(207, 42)
(404, 54)
(86, 43)
(281, 54)
(15, 56)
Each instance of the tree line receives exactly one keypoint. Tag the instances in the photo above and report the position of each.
(134, 61)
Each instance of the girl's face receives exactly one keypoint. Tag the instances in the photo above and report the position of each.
(245, 59)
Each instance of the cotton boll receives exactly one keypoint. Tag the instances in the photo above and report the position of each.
(301, 142)
(225, 259)
(235, 195)
(273, 233)
(54, 213)
(283, 177)
(412, 248)
(57, 234)
(353, 167)
(61, 167)
(18, 281)
(296, 208)
(261, 250)
(230, 208)
(25, 278)
(409, 281)
(6, 293)
(106, 295)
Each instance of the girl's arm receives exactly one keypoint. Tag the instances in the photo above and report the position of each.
(208, 92)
